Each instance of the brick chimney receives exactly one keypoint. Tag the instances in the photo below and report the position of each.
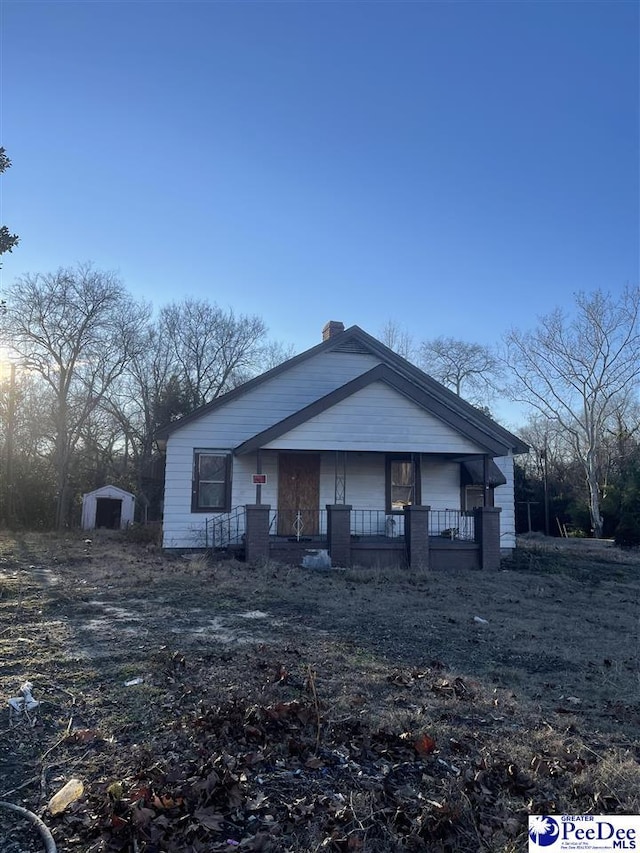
(333, 327)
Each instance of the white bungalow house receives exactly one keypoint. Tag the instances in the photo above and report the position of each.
(346, 444)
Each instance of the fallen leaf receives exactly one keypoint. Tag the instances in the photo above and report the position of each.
(210, 819)
(424, 745)
(84, 736)
(142, 816)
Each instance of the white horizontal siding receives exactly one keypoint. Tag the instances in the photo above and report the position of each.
(229, 424)
(376, 418)
(504, 496)
(243, 491)
(364, 486)
(440, 484)
(365, 481)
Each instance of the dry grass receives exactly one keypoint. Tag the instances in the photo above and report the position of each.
(539, 705)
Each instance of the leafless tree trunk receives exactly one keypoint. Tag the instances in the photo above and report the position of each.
(144, 398)
(577, 371)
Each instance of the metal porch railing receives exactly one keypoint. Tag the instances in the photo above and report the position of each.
(226, 528)
(452, 524)
(375, 522)
(299, 524)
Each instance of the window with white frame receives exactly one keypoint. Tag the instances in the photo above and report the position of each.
(473, 497)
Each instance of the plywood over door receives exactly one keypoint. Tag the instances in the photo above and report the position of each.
(298, 491)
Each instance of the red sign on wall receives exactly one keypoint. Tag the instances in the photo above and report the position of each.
(259, 479)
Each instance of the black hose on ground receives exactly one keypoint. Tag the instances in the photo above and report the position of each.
(49, 843)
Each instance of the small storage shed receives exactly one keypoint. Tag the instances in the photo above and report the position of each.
(109, 507)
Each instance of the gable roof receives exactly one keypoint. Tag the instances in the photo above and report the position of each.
(379, 373)
(395, 371)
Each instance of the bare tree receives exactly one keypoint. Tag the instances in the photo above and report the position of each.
(578, 371)
(267, 356)
(212, 349)
(25, 440)
(547, 443)
(398, 339)
(274, 353)
(471, 370)
(146, 396)
(77, 329)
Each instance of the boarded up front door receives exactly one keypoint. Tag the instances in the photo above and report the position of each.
(298, 491)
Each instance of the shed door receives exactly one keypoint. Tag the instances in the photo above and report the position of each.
(298, 491)
(108, 513)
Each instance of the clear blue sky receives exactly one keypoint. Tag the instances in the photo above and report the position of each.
(456, 167)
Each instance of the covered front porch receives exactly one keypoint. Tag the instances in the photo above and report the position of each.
(362, 507)
(418, 538)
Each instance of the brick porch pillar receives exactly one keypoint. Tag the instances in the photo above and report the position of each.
(416, 536)
(256, 537)
(487, 535)
(339, 533)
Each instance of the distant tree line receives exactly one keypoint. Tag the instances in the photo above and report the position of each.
(93, 374)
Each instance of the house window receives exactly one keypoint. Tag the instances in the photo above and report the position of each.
(472, 482)
(403, 482)
(473, 497)
(211, 491)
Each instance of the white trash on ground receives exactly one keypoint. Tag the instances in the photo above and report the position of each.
(24, 704)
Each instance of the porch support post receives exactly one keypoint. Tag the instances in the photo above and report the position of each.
(487, 535)
(416, 535)
(258, 471)
(339, 533)
(485, 480)
(340, 477)
(257, 533)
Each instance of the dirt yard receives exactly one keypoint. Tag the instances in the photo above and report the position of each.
(216, 707)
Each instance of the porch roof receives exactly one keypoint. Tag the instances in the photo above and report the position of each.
(475, 472)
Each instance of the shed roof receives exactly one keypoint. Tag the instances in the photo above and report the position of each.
(108, 491)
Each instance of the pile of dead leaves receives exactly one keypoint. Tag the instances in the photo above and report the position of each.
(256, 778)
(287, 776)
